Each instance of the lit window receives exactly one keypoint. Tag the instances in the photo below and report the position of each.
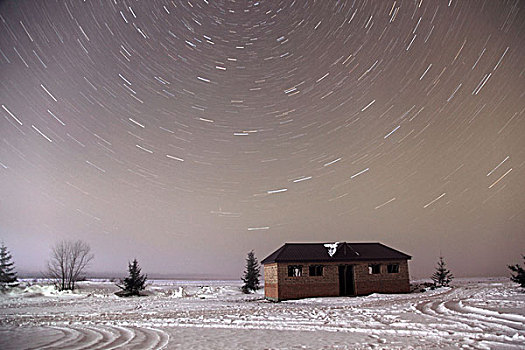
(295, 270)
(374, 269)
(393, 268)
(316, 270)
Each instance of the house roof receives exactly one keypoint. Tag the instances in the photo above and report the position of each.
(320, 252)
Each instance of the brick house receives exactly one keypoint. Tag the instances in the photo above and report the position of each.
(303, 270)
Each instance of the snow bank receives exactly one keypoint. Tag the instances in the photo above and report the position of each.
(35, 290)
(473, 314)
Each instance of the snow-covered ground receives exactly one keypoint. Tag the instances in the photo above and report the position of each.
(484, 313)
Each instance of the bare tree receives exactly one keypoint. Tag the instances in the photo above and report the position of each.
(69, 259)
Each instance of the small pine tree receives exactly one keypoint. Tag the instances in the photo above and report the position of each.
(442, 276)
(134, 283)
(251, 275)
(519, 276)
(7, 270)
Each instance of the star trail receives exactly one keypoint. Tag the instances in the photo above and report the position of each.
(186, 133)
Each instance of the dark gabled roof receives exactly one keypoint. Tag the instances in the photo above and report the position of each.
(318, 252)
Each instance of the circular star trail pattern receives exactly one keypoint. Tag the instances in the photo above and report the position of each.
(189, 132)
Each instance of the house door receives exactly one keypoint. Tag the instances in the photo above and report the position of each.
(346, 280)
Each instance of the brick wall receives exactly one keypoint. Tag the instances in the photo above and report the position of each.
(383, 282)
(270, 282)
(308, 286)
(270, 273)
(278, 286)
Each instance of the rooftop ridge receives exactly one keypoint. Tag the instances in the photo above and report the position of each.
(340, 242)
(345, 251)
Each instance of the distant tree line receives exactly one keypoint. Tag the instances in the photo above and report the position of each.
(70, 259)
(67, 265)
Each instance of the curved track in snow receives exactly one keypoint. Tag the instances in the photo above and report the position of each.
(477, 326)
(102, 337)
(472, 315)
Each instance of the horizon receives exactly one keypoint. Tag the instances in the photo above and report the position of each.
(188, 133)
(24, 275)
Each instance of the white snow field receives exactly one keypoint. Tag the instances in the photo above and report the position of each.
(486, 313)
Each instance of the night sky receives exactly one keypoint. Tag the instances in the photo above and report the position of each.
(186, 133)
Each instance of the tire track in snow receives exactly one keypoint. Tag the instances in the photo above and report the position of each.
(511, 322)
(455, 311)
(106, 337)
(473, 323)
(147, 338)
(69, 335)
(123, 337)
(63, 333)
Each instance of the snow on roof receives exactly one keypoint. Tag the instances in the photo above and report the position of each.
(332, 248)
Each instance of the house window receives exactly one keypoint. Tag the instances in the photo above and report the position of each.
(393, 268)
(316, 270)
(374, 269)
(295, 270)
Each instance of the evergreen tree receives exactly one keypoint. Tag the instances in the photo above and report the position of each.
(442, 276)
(7, 269)
(519, 276)
(251, 275)
(135, 282)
